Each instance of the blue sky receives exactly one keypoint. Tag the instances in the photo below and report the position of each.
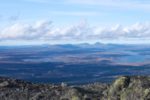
(95, 20)
(68, 11)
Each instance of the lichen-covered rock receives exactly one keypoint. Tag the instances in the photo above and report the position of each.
(130, 88)
(117, 87)
(4, 84)
(123, 88)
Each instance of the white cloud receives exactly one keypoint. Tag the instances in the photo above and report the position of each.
(24, 31)
(44, 30)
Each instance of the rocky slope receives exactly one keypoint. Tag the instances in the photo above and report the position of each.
(123, 88)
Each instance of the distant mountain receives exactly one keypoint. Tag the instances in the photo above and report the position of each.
(80, 45)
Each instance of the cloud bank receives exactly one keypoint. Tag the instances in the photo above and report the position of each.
(82, 31)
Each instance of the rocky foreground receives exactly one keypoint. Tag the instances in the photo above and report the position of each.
(123, 88)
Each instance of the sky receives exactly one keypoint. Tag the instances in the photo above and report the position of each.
(74, 21)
